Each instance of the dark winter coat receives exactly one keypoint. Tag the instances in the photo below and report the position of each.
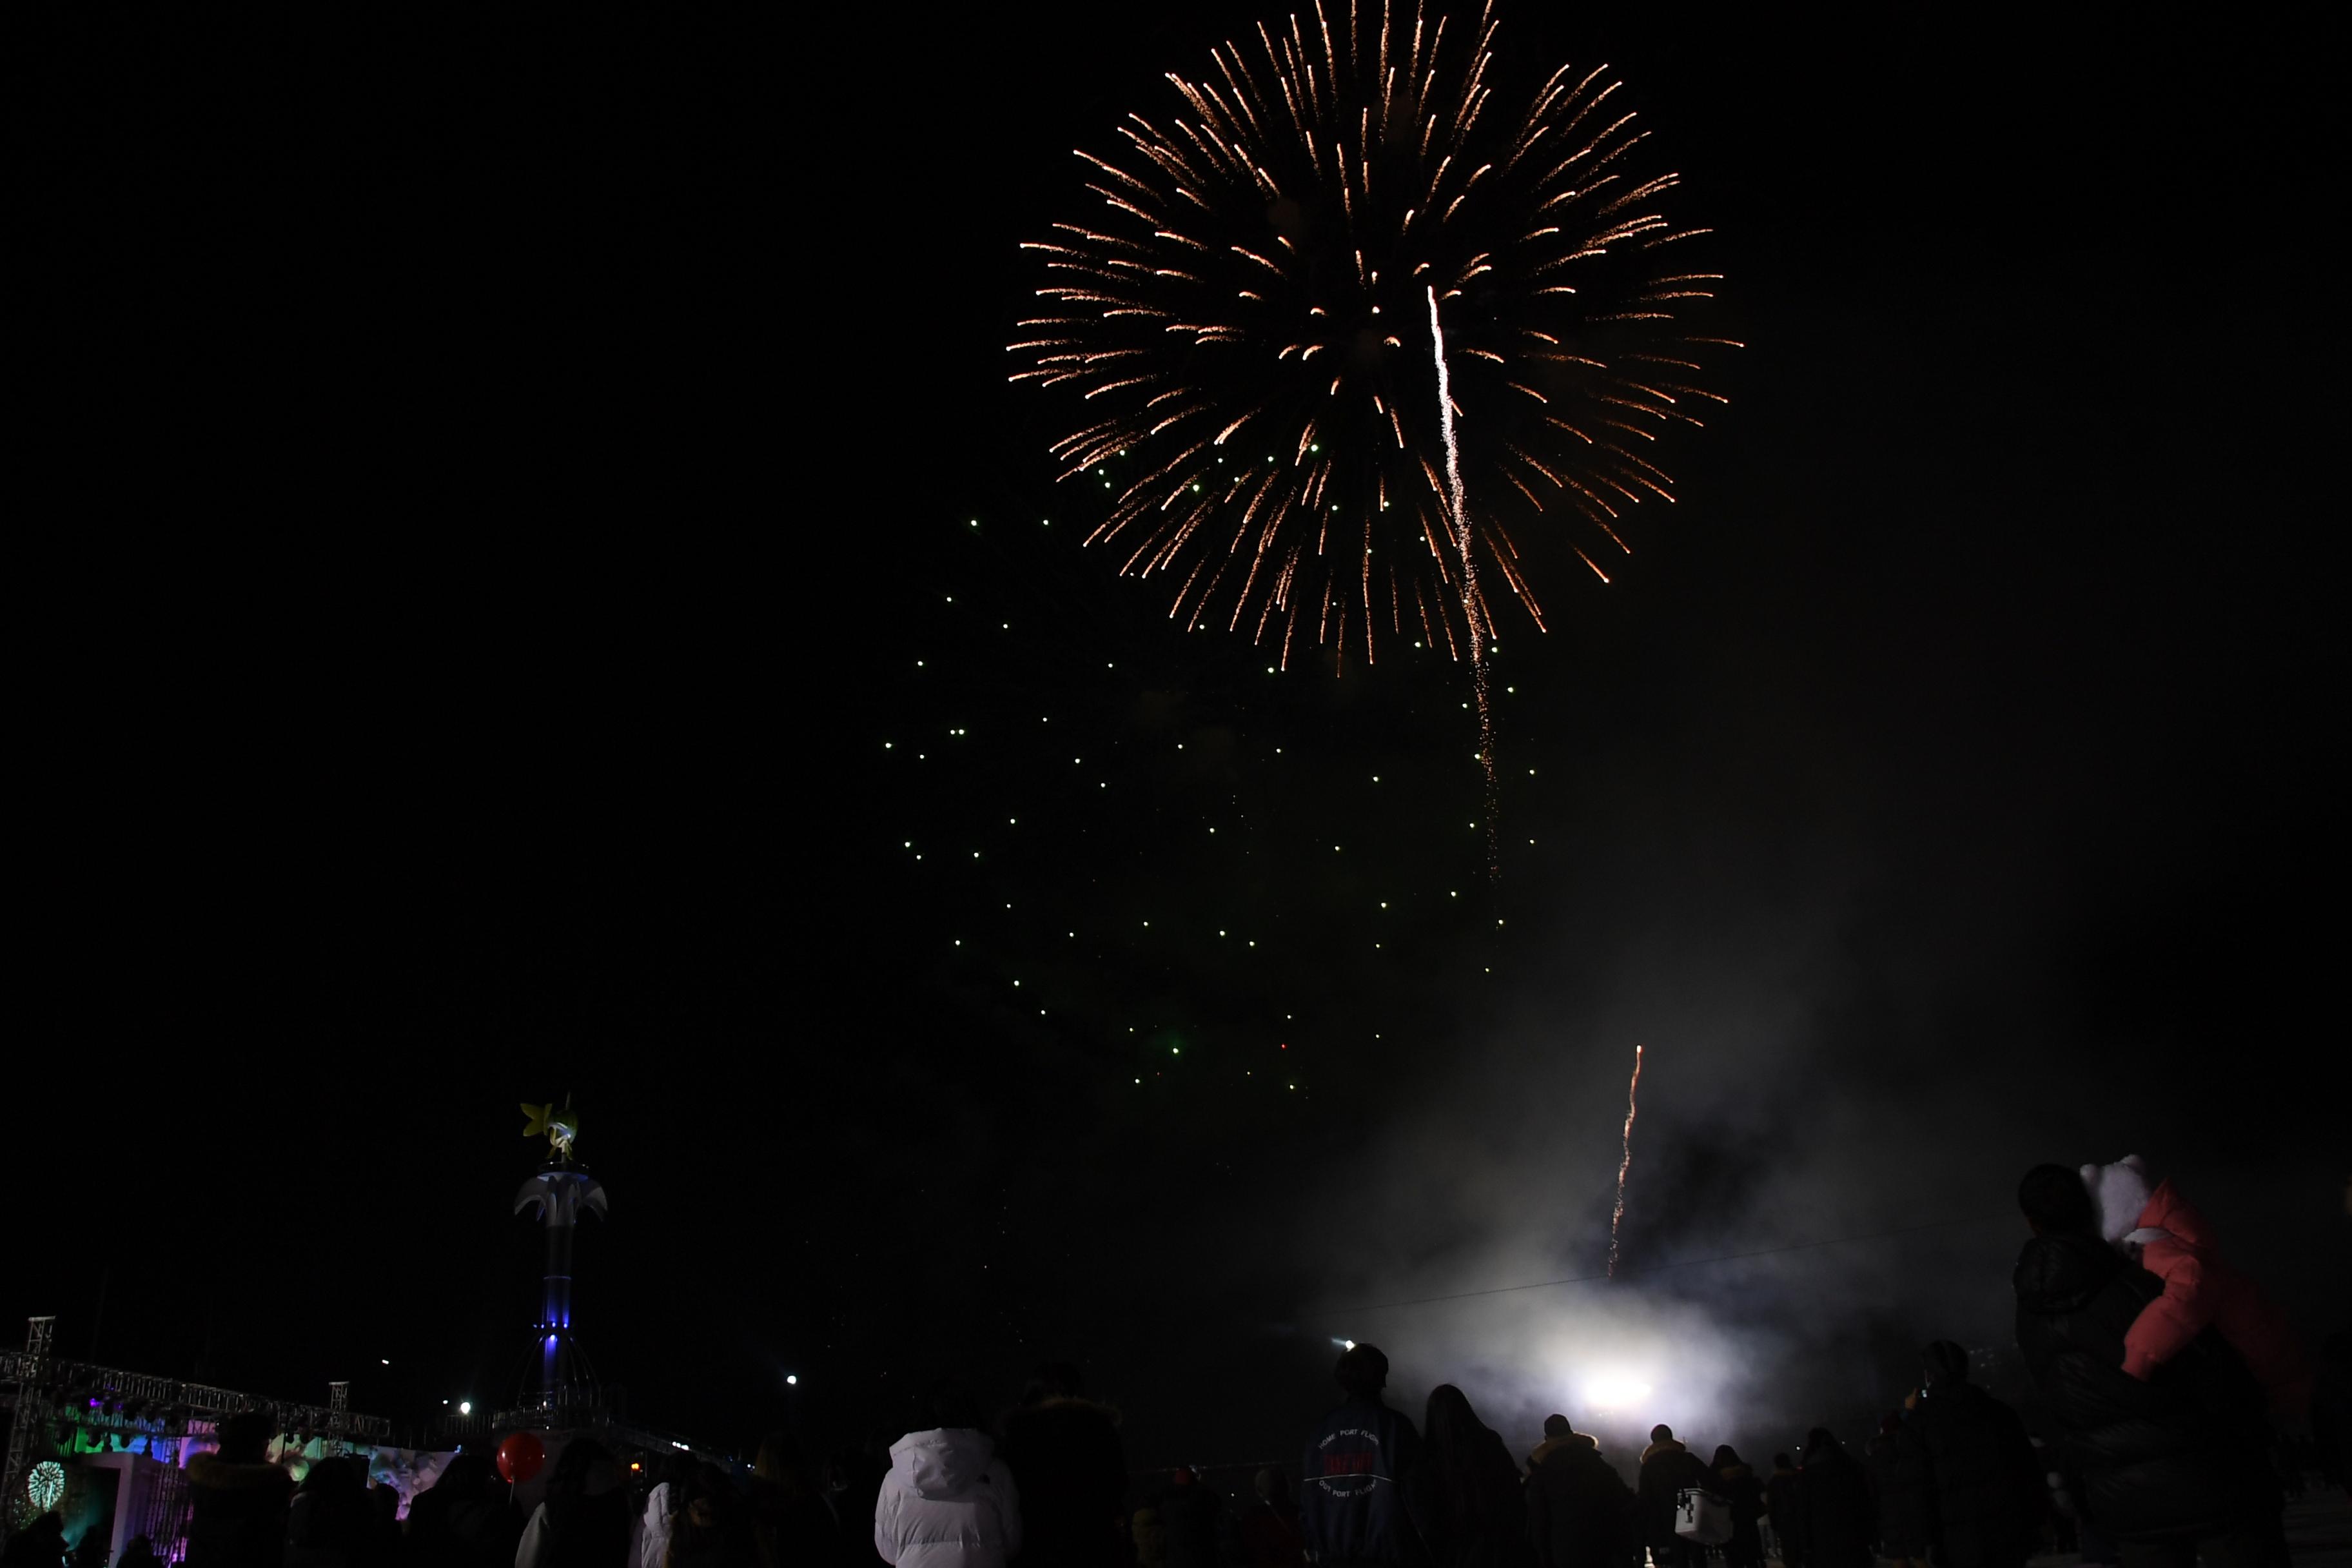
(1988, 1485)
(2182, 1454)
(586, 1532)
(236, 1513)
(463, 1521)
(1193, 1515)
(1474, 1513)
(40, 1544)
(1580, 1513)
(1352, 1503)
(1739, 1484)
(1904, 1492)
(1840, 1520)
(1269, 1536)
(332, 1523)
(1783, 1502)
(1667, 1470)
(1071, 1468)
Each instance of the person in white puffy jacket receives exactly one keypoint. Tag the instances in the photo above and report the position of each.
(948, 1501)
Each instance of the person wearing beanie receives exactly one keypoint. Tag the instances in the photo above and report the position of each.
(1580, 1514)
(1736, 1480)
(1359, 1474)
(1668, 1470)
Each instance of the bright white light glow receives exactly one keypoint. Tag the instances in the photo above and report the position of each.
(465, 1407)
(1615, 1391)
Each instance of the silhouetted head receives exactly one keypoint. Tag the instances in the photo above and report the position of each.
(1723, 1458)
(245, 1436)
(946, 1403)
(1054, 1380)
(335, 1474)
(783, 1464)
(585, 1466)
(2055, 1202)
(1821, 1440)
(1182, 1475)
(1662, 1432)
(1449, 1421)
(1782, 1462)
(711, 1503)
(1555, 1426)
(1362, 1371)
(1943, 1363)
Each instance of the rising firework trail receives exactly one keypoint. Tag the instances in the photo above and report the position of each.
(1480, 634)
(1624, 1161)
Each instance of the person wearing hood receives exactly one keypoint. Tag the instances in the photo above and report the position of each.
(1738, 1482)
(1898, 1479)
(239, 1500)
(667, 1495)
(1581, 1513)
(949, 1501)
(1362, 1471)
(1840, 1519)
(2151, 1223)
(462, 1520)
(1475, 1515)
(1783, 1506)
(2171, 1467)
(1669, 1469)
(713, 1527)
(1557, 1435)
(1066, 1456)
(584, 1521)
(1987, 1486)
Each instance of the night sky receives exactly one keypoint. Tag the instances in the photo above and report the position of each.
(543, 588)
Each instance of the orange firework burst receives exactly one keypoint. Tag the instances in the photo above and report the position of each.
(1243, 332)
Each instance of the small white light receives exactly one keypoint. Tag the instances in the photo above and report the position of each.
(465, 1407)
(792, 1380)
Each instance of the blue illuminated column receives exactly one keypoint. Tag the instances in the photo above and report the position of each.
(557, 1195)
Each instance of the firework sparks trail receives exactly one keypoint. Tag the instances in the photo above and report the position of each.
(1624, 1161)
(1479, 631)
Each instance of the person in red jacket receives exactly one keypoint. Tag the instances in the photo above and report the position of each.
(2171, 1240)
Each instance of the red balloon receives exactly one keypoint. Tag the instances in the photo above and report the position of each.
(519, 1457)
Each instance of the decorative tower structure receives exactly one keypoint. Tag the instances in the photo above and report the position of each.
(557, 1377)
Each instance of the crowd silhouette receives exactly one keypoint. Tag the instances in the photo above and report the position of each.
(2160, 1381)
